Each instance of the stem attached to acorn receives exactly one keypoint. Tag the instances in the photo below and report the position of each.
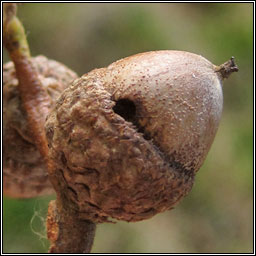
(67, 233)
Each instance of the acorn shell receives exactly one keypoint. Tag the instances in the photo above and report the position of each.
(127, 140)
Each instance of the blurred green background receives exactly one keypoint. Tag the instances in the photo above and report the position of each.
(217, 215)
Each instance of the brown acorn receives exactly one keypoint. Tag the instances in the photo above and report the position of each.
(126, 141)
(24, 171)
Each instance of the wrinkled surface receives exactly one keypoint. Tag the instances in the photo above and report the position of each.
(106, 166)
(24, 173)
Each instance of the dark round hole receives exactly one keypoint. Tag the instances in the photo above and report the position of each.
(126, 109)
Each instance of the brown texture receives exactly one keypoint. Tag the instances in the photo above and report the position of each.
(126, 141)
(24, 171)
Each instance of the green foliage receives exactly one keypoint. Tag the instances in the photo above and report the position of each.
(216, 217)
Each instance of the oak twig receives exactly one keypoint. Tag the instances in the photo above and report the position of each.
(35, 99)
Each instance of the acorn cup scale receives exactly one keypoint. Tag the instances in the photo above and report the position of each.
(24, 170)
(126, 141)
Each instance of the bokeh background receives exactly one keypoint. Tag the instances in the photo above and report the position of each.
(217, 215)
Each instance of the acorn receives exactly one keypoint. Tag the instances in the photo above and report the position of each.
(24, 171)
(126, 141)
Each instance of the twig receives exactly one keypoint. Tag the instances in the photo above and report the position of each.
(35, 99)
